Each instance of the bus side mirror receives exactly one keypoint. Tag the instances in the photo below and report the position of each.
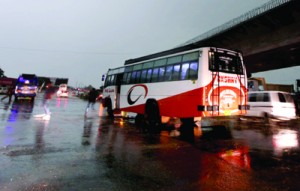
(103, 77)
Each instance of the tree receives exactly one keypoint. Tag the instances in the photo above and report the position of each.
(89, 87)
(2, 73)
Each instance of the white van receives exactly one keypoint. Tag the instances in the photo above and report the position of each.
(271, 104)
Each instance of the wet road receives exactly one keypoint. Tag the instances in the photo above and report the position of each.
(69, 152)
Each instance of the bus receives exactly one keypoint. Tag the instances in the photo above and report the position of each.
(185, 83)
(26, 86)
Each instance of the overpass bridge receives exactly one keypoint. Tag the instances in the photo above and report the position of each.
(268, 36)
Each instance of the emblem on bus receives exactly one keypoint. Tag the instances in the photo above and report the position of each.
(140, 90)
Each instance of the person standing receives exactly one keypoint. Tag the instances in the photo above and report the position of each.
(92, 97)
(50, 90)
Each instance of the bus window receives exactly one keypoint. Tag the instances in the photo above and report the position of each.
(132, 78)
(184, 71)
(193, 70)
(168, 74)
(190, 56)
(128, 68)
(154, 77)
(148, 65)
(174, 59)
(127, 81)
(225, 62)
(149, 73)
(143, 76)
(124, 78)
(160, 62)
(161, 74)
(112, 80)
(176, 72)
(138, 76)
(107, 82)
(138, 67)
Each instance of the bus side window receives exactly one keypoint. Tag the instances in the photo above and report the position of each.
(154, 77)
(168, 74)
(144, 76)
(132, 78)
(149, 73)
(161, 74)
(176, 72)
(124, 78)
(193, 71)
(112, 80)
(107, 81)
(128, 78)
(184, 75)
(138, 76)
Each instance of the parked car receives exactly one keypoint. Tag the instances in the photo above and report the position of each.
(271, 104)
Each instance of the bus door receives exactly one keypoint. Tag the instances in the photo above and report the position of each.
(118, 88)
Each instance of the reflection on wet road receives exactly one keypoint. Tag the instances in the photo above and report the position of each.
(71, 152)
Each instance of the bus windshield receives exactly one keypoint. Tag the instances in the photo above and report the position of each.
(223, 61)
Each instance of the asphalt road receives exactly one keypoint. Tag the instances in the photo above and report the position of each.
(71, 152)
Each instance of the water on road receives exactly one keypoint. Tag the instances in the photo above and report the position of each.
(73, 152)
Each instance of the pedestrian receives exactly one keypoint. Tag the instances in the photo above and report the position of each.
(50, 90)
(9, 93)
(92, 96)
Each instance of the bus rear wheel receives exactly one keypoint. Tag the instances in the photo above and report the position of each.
(187, 129)
(152, 116)
(108, 105)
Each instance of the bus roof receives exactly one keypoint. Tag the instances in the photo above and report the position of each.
(163, 53)
(168, 52)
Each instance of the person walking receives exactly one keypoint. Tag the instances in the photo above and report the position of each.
(50, 90)
(92, 97)
(9, 94)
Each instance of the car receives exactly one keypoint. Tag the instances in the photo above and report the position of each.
(63, 91)
(26, 87)
(271, 104)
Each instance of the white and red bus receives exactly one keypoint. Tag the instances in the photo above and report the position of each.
(184, 83)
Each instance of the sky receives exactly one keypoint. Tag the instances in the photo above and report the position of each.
(81, 39)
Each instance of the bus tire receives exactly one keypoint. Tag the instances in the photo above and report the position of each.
(108, 105)
(152, 116)
(187, 129)
(139, 121)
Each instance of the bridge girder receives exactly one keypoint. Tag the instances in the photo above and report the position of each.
(268, 41)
